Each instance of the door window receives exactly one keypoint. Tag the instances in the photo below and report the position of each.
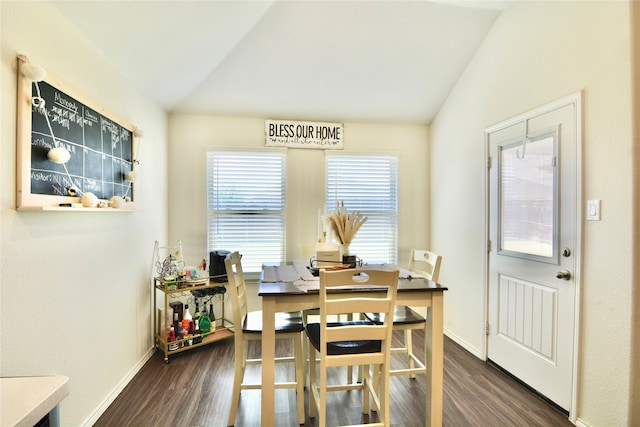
(528, 191)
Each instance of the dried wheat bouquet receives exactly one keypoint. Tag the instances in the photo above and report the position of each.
(345, 225)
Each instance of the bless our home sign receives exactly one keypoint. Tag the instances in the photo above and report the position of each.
(294, 134)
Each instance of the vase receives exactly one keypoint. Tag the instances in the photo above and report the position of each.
(344, 248)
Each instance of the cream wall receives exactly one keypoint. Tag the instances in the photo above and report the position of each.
(74, 287)
(538, 52)
(191, 134)
(634, 418)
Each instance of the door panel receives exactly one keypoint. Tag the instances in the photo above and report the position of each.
(527, 311)
(532, 218)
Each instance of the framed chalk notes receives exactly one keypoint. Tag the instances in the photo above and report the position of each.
(102, 149)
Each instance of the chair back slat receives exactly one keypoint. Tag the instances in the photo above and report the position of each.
(425, 263)
(343, 306)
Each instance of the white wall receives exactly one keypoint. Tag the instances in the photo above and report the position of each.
(191, 134)
(536, 53)
(634, 416)
(74, 287)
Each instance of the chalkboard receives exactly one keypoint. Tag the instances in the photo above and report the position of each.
(101, 147)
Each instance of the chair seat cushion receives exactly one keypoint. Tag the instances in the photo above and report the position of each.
(343, 347)
(402, 314)
(285, 322)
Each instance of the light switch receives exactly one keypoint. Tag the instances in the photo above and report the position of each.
(593, 210)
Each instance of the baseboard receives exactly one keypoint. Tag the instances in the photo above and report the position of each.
(114, 394)
(581, 423)
(464, 344)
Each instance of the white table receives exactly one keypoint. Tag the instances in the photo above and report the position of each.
(26, 400)
(284, 296)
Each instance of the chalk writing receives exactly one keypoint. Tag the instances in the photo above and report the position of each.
(101, 149)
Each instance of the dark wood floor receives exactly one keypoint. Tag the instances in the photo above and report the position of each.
(194, 389)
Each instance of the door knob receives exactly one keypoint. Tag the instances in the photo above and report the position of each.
(564, 275)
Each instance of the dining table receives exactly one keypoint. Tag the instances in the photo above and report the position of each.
(288, 287)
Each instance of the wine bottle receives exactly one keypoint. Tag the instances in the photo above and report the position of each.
(177, 329)
(196, 314)
(197, 333)
(204, 322)
(176, 325)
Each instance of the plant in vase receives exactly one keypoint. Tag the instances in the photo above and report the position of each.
(345, 225)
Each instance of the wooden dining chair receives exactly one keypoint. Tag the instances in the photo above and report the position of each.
(422, 263)
(248, 326)
(425, 264)
(357, 342)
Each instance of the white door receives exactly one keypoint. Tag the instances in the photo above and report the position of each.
(533, 232)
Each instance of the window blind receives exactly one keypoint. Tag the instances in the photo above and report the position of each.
(246, 205)
(369, 184)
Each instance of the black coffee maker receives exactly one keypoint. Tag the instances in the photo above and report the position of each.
(216, 265)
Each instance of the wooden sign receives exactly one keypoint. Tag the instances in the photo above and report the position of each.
(293, 134)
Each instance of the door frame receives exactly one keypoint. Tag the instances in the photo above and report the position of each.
(575, 100)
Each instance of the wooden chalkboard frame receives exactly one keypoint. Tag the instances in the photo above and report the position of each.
(25, 198)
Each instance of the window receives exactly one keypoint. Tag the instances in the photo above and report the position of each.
(528, 198)
(246, 205)
(369, 184)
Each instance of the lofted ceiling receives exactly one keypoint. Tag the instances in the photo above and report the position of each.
(390, 61)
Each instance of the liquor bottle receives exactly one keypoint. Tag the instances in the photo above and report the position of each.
(212, 317)
(171, 341)
(196, 314)
(205, 323)
(186, 320)
(176, 325)
(197, 333)
(190, 334)
(177, 330)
